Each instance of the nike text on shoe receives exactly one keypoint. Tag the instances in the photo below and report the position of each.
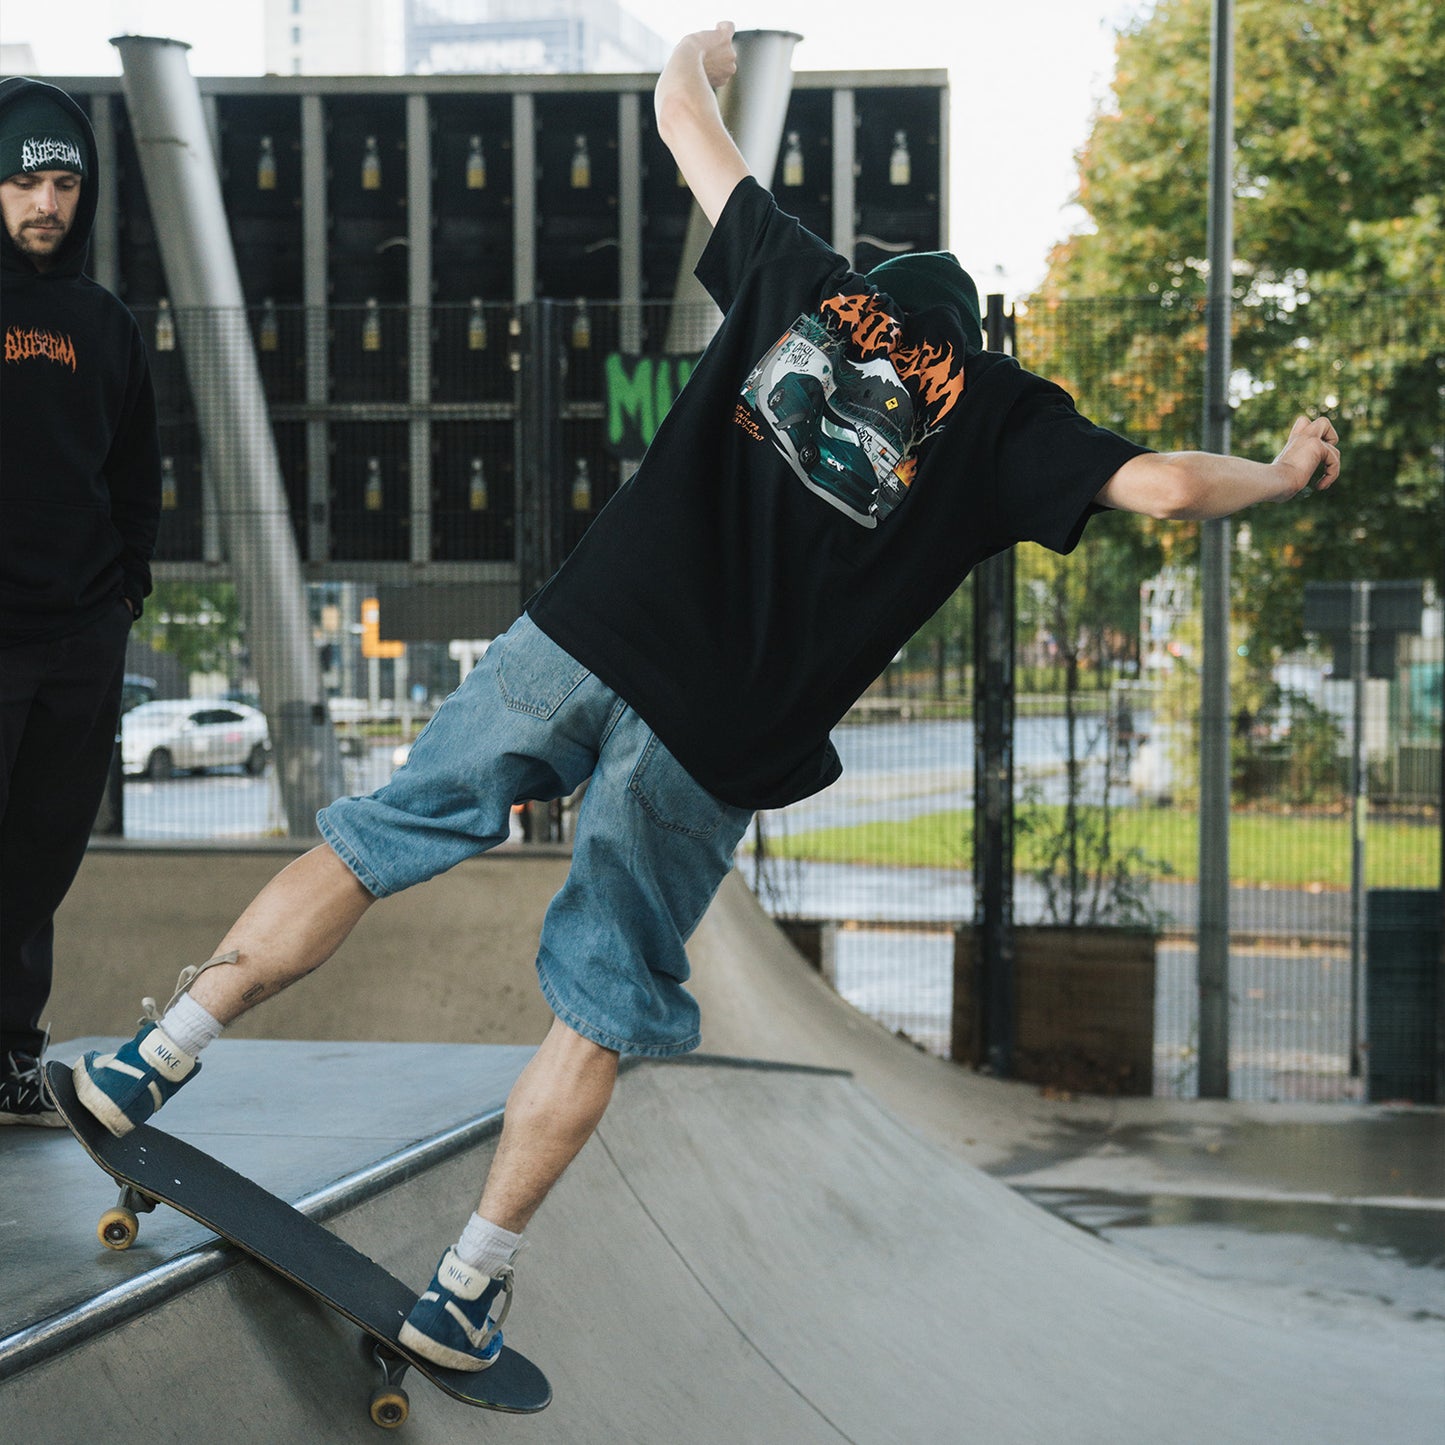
(22, 1093)
(125, 1088)
(451, 1324)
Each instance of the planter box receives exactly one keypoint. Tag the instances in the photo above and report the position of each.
(1083, 1008)
(817, 940)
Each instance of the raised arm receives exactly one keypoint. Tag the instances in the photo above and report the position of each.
(1181, 485)
(688, 119)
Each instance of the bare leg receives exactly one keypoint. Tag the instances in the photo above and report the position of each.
(554, 1107)
(303, 916)
(293, 925)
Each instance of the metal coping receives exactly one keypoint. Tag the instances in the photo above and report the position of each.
(49, 1338)
(45, 1340)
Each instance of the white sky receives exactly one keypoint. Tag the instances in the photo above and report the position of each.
(1026, 77)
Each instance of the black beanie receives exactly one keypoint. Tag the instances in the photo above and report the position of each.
(38, 133)
(920, 279)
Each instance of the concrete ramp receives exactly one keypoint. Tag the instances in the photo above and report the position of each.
(759, 1254)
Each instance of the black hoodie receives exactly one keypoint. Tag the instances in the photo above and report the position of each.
(79, 458)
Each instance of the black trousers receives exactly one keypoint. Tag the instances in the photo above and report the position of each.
(59, 702)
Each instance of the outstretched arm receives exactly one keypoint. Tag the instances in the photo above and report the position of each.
(1183, 485)
(688, 119)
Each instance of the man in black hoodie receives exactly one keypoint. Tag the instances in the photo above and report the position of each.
(79, 503)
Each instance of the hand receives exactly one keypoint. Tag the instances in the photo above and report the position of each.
(715, 50)
(1312, 445)
(690, 122)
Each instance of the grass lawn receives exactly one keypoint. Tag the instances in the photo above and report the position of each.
(1264, 848)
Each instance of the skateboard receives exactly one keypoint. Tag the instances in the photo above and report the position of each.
(154, 1167)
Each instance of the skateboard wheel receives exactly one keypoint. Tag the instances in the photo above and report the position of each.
(118, 1228)
(389, 1408)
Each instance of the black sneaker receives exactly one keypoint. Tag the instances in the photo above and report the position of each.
(22, 1095)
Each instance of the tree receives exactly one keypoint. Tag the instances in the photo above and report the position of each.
(1339, 279)
(198, 624)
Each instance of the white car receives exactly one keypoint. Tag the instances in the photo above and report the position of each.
(160, 739)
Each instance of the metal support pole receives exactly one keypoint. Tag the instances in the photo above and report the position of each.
(314, 292)
(419, 321)
(1214, 703)
(754, 105)
(541, 480)
(1440, 975)
(538, 361)
(1359, 793)
(181, 180)
(993, 780)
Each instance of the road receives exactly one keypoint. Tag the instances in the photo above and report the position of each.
(893, 769)
(228, 804)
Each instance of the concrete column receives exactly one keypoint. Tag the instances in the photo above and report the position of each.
(184, 189)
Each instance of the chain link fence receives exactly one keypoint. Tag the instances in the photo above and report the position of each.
(436, 465)
(1105, 740)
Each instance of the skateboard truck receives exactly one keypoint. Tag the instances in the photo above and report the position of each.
(118, 1227)
(389, 1402)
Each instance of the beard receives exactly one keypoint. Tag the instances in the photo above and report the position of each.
(40, 241)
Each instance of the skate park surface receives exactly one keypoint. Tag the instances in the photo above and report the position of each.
(814, 1232)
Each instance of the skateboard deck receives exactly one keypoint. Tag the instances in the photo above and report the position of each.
(151, 1166)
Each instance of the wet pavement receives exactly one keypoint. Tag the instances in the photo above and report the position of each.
(1382, 1258)
(1340, 1206)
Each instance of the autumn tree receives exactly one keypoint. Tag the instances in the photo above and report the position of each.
(1339, 276)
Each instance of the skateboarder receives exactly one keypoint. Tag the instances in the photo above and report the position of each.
(718, 618)
(81, 500)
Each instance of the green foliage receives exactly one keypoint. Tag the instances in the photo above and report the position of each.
(1314, 770)
(1339, 178)
(1310, 850)
(1338, 161)
(199, 624)
(1251, 693)
(1090, 875)
(1088, 602)
(948, 632)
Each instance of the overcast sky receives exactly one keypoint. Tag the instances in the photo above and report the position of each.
(1026, 77)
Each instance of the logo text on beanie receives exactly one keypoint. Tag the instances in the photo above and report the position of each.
(39, 152)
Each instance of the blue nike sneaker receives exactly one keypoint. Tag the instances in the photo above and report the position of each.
(125, 1088)
(451, 1323)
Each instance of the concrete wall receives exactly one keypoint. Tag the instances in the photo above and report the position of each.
(449, 961)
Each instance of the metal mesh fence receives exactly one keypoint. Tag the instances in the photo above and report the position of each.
(1105, 737)
(434, 466)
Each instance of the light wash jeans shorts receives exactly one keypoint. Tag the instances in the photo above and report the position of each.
(651, 845)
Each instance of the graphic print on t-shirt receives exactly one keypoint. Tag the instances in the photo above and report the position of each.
(833, 397)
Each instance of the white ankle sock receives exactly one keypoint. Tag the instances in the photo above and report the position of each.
(188, 1026)
(487, 1246)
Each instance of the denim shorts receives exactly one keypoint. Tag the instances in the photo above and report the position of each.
(651, 845)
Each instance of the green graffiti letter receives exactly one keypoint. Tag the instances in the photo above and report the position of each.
(630, 397)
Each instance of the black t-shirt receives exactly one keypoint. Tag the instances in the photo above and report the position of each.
(828, 476)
